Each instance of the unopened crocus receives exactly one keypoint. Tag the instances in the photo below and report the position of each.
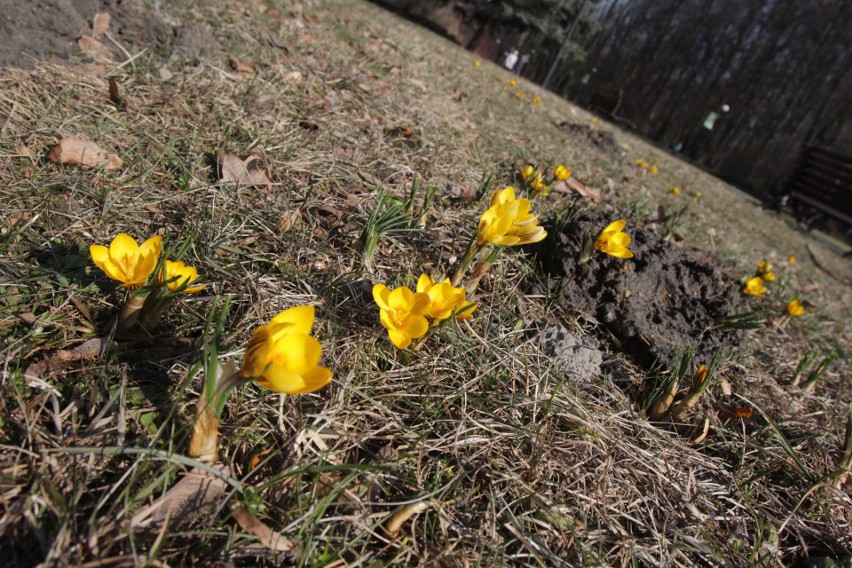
(126, 261)
(536, 100)
(283, 357)
(178, 277)
(561, 172)
(791, 259)
(476, 63)
(512, 82)
(754, 287)
(444, 299)
(614, 241)
(526, 171)
(676, 190)
(508, 221)
(403, 313)
(795, 308)
(654, 170)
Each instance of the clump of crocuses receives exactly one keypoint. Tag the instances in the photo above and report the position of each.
(152, 282)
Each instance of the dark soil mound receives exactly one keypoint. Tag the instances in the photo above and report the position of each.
(661, 300)
(49, 30)
(600, 140)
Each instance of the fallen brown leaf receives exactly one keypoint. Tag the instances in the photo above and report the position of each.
(73, 150)
(197, 489)
(242, 172)
(242, 69)
(289, 220)
(100, 24)
(94, 48)
(59, 360)
(269, 538)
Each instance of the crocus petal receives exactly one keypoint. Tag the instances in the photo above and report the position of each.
(380, 295)
(296, 353)
(255, 358)
(315, 379)
(401, 299)
(386, 320)
(415, 326)
(615, 226)
(399, 338)
(424, 283)
(298, 319)
(420, 304)
(100, 255)
(282, 380)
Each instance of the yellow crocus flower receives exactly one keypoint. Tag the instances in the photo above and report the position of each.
(536, 100)
(512, 82)
(795, 308)
(402, 313)
(508, 221)
(177, 274)
(282, 356)
(526, 171)
(764, 270)
(642, 164)
(676, 190)
(540, 189)
(476, 63)
(126, 261)
(444, 299)
(561, 172)
(654, 170)
(520, 94)
(613, 241)
(754, 287)
(791, 259)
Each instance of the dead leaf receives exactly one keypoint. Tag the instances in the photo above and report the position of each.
(197, 489)
(73, 150)
(395, 522)
(572, 185)
(100, 24)
(60, 360)
(293, 77)
(242, 69)
(94, 48)
(114, 95)
(326, 214)
(242, 172)
(289, 220)
(269, 538)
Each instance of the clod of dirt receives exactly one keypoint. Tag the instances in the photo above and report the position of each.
(600, 140)
(576, 356)
(653, 304)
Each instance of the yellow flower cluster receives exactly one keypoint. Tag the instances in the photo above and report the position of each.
(508, 221)
(132, 264)
(764, 270)
(406, 314)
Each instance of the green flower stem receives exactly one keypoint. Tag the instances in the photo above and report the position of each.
(472, 249)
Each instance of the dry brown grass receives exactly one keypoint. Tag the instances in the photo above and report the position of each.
(520, 465)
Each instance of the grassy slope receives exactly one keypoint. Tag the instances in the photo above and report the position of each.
(519, 465)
